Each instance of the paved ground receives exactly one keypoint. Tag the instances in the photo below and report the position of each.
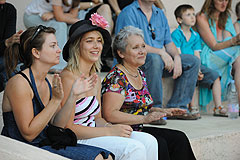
(208, 125)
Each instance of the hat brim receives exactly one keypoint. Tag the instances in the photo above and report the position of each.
(80, 30)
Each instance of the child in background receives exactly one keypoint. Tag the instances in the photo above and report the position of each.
(189, 42)
(237, 23)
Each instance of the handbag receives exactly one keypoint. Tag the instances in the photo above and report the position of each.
(59, 138)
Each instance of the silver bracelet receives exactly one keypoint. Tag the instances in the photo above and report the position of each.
(105, 125)
(231, 40)
(91, 4)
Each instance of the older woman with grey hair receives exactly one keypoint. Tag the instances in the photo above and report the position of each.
(126, 83)
(86, 43)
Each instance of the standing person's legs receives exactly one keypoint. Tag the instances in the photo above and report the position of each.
(61, 33)
(185, 84)
(122, 148)
(153, 69)
(150, 143)
(172, 144)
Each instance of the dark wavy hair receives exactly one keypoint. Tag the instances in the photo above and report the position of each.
(209, 9)
(23, 52)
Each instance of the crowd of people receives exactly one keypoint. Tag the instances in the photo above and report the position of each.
(74, 114)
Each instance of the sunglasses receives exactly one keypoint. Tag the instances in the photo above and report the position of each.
(152, 31)
(38, 30)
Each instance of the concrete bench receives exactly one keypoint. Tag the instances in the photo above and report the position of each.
(212, 138)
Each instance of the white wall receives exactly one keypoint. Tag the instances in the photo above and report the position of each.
(169, 4)
(20, 6)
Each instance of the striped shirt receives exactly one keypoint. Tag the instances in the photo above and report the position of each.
(86, 109)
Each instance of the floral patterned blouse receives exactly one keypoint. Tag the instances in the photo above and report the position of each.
(137, 102)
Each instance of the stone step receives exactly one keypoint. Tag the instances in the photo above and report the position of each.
(212, 138)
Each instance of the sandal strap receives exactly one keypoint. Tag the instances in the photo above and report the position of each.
(193, 110)
(219, 110)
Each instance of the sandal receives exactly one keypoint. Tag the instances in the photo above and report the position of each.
(194, 111)
(220, 111)
(185, 116)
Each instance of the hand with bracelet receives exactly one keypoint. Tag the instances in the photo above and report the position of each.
(121, 130)
(153, 116)
(235, 40)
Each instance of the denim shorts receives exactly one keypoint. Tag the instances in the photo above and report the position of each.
(80, 152)
(209, 77)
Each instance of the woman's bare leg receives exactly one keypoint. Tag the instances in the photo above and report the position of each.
(216, 91)
(106, 12)
(236, 67)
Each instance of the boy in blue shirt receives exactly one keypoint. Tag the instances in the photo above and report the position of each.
(188, 41)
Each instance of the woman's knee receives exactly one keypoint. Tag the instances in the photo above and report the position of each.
(105, 8)
(154, 62)
(181, 138)
(190, 61)
(60, 26)
(149, 141)
(136, 149)
(236, 64)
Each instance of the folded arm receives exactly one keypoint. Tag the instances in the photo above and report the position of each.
(208, 37)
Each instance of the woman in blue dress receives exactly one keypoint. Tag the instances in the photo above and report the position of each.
(31, 104)
(220, 46)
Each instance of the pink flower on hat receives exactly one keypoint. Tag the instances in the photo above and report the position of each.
(98, 20)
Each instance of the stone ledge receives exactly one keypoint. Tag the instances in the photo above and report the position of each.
(206, 135)
(11, 149)
(220, 147)
(211, 138)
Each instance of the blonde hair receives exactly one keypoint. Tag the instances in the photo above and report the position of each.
(208, 8)
(73, 64)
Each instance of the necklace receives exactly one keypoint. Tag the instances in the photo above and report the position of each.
(135, 76)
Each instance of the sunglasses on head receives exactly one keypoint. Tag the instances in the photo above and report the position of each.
(152, 31)
(38, 30)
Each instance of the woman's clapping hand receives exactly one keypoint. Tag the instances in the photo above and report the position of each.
(83, 84)
(57, 88)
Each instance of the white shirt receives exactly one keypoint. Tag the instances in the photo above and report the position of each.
(42, 6)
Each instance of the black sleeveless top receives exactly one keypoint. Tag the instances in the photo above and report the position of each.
(10, 128)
